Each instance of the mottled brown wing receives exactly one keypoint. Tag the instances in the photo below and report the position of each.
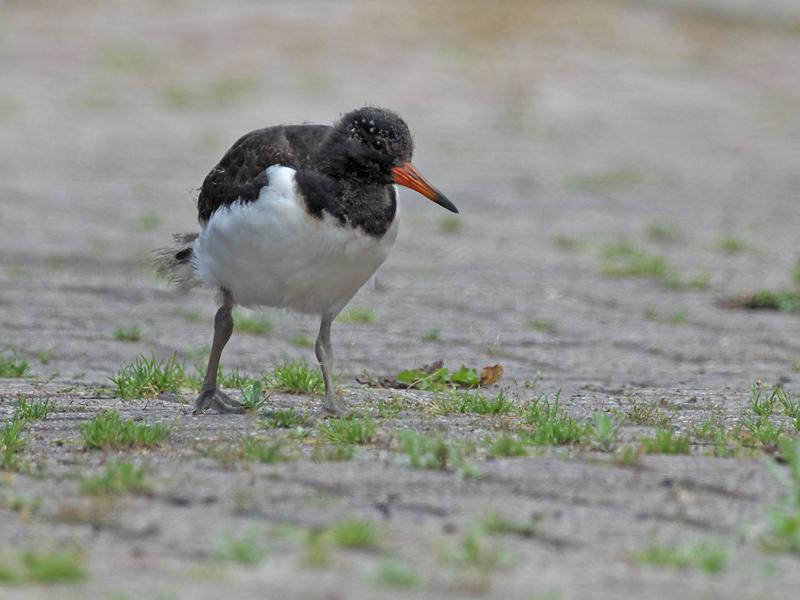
(240, 174)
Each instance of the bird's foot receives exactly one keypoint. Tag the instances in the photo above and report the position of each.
(217, 400)
(333, 406)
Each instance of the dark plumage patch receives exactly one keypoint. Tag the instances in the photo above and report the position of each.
(240, 173)
(344, 170)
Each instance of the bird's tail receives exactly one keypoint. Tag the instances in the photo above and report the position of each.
(176, 262)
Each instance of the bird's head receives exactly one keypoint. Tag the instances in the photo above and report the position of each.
(375, 147)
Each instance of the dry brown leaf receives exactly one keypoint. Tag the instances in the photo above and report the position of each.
(491, 374)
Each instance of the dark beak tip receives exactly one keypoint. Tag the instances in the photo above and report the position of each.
(445, 203)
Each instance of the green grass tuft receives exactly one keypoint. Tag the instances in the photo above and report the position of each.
(296, 377)
(302, 341)
(249, 549)
(477, 551)
(357, 316)
(624, 260)
(553, 425)
(284, 419)
(262, 450)
(109, 430)
(333, 453)
(394, 573)
(11, 442)
(774, 300)
(456, 401)
(131, 333)
(349, 430)
(33, 410)
(117, 478)
(732, 244)
(664, 232)
(603, 183)
(709, 557)
(432, 335)
(450, 224)
(783, 519)
(45, 567)
(507, 445)
(12, 364)
(436, 453)
(542, 325)
(496, 522)
(254, 324)
(355, 534)
(147, 378)
(192, 316)
(665, 441)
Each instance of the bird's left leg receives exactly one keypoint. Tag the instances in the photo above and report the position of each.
(211, 396)
(324, 353)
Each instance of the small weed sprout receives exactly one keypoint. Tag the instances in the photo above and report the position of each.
(252, 399)
(761, 403)
(603, 432)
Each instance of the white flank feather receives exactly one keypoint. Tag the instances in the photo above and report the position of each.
(271, 252)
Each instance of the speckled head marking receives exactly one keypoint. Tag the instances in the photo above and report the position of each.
(365, 144)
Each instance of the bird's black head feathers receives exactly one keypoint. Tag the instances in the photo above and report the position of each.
(364, 145)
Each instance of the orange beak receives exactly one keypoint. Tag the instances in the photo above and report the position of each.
(408, 176)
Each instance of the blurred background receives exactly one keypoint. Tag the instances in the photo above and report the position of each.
(560, 128)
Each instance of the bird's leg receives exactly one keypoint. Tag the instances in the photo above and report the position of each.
(211, 396)
(325, 358)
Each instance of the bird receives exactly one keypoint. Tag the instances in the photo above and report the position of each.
(298, 217)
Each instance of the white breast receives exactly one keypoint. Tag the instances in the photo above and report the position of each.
(271, 252)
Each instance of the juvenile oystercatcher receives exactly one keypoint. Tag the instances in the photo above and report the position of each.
(297, 216)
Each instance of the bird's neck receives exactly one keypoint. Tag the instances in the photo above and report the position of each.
(369, 207)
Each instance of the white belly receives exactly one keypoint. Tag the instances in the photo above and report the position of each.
(271, 252)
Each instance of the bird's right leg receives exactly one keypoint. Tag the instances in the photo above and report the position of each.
(211, 396)
(324, 353)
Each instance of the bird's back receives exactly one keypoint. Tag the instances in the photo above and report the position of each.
(240, 174)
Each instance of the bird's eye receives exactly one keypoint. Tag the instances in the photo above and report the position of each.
(376, 144)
